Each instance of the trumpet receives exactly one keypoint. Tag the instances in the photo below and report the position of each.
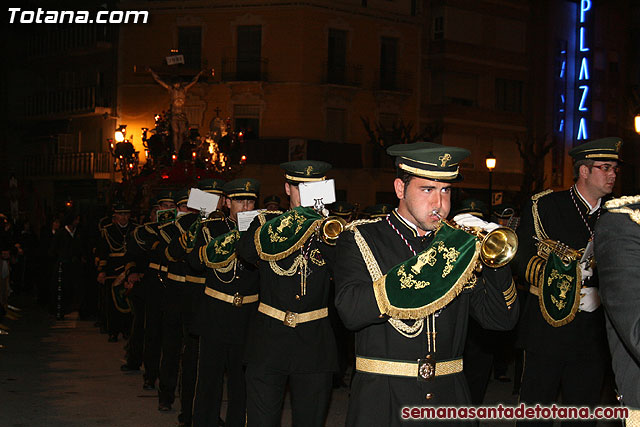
(330, 228)
(566, 253)
(497, 248)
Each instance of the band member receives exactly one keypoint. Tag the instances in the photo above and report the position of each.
(562, 327)
(407, 283)
(111, 271)
(291, 340)
(229, 301)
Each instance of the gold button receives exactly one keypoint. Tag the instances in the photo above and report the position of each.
(429, 396)
(298, 297)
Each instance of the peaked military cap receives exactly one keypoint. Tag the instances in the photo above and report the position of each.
(121, 207)
(598, 149)
(341, 208)
(166, 196)
(153, 202)
(473, 207)
(305, 170)
(377, 211)
(503, 211)
(211, 185)
(429, 160)
(272, 199)
(242, 187)
(182, 196)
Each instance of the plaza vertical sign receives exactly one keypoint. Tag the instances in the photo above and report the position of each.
(584, 60)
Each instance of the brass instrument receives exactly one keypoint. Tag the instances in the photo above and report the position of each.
(566, 253)
(497, 248)
(330, 229)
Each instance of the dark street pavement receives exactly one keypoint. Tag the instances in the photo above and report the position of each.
(65, 373)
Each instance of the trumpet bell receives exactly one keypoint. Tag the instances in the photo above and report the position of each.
(499, 247)
(331, 228)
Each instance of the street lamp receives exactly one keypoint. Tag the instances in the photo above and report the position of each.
(490, 161)
(121, 132)
(636, 122)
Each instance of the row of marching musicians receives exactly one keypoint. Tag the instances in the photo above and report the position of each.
(254, 303)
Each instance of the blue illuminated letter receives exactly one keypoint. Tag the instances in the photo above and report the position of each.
(582, 130)
(583, 99)
(585, 5)
(582, 44)
(584, 70)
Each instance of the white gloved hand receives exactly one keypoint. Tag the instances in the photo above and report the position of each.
(468, 220)
(589, 299)
(585, 270)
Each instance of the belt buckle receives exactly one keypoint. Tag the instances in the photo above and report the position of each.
(237, 300)
(426, 368)
(290, 319)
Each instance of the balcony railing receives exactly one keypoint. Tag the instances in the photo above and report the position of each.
(346, 75)
(243, 70)
(395, 81)
(67, 101)
(80, 165)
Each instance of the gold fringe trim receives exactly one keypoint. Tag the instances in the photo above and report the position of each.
(215, 265)
(537, 222)
(421, 312)
(165, 236)
(574, 309)
(282, 255)
(622, 201)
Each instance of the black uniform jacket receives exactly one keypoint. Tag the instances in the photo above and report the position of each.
(584, 337)
(378, 399)
(220, 320)
(617, 247)
(309, 347)
(142, 258)
(112, 248)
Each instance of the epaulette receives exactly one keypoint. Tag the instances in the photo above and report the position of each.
(354, 224)
(541, 194)
(621, 205)
(622, 201)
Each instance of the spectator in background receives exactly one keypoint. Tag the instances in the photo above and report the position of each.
(67, 249)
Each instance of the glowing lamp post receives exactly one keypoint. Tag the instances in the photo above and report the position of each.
(490, 161)
(636, 122)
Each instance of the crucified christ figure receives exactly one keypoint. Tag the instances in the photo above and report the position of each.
(178, 92)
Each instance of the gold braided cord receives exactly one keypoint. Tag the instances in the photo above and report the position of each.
(207, 235)
(165, 236)
(622, 201)
(232, 266)
(139, 241)
(406, 330)
(113, 247)
(537, 222)
(634, 214)
(168, 255)
(353, 224)
(299, 262)
(367, 256)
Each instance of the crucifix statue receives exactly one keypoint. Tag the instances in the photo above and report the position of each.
(178, 92)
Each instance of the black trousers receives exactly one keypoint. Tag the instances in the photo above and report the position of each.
(580, 382)
(216, 358)
(135, 346)
(310, 394)
(179, 354)
(152, 340)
